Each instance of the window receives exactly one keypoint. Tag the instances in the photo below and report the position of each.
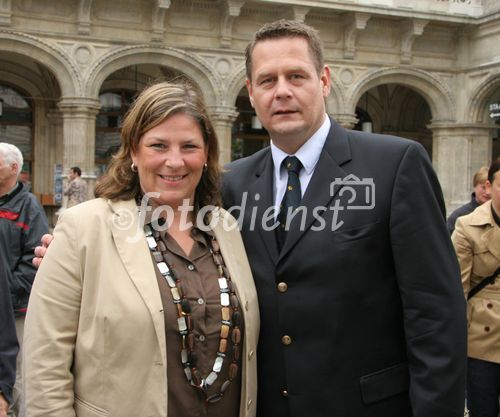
(114, 105)
(16, 124)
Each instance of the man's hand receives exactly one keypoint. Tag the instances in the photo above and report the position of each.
(40, 252)
(4, 406)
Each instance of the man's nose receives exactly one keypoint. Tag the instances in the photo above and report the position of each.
(282, 88)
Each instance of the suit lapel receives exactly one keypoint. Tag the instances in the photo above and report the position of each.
(336, 152)
(135, 255)
(263, 186)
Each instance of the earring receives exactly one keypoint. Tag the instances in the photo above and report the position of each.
(133, 168)
(205, 167)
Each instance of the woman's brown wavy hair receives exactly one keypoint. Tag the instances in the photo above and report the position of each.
(153, 105)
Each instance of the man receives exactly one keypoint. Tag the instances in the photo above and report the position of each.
(362, 312)
(76, 189)
(8, 340)
(22, 224)
(479, 196)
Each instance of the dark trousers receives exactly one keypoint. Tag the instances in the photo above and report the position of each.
(483, 388)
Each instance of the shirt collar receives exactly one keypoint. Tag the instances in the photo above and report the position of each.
(308, 153)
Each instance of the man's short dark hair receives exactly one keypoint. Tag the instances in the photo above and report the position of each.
(287, 29)
(77, 171)
(495, 166)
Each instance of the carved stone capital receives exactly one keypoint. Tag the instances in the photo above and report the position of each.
(346, 120)
(79, 107)
(222, 114)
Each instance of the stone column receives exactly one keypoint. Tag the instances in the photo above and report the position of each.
(223, 118)
(79, 114)
(458, 151)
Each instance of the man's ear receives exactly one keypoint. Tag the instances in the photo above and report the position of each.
(14, 167)
(249, 89)
(326, 79)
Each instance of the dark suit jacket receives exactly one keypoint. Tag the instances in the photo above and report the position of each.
(374, 309)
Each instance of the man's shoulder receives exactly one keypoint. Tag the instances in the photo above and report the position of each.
(380, 141)
(25, 200)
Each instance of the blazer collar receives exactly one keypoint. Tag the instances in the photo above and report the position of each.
(335, 153)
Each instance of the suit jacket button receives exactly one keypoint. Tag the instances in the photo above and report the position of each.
(286, 340)
(489, 305)
(282, 287)
(487, 328)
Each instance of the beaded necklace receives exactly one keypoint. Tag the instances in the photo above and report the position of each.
(230, 317)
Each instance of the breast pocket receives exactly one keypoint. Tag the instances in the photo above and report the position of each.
(351, 234)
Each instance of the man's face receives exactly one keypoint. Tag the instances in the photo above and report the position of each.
(71, 175)
(8, 173)
(287, 92)
(482, 193)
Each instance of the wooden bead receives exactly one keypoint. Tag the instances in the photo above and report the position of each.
(237, 318)
(236, 353)
(225, 386)
(223, 345)
(190, 341)
(226, 313)
(196, 377)
(233, 371)
(224, 331)
(236, 335)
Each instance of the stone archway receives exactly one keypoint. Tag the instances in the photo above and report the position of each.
(437, 94)
(187, 63)
(47, 54)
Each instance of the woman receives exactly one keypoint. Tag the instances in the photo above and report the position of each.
(160, 320)
(477, 242)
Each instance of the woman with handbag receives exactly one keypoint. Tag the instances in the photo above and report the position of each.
(477, 242)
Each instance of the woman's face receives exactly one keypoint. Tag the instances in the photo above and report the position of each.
(170, 159)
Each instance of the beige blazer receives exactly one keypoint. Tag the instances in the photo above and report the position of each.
(95, 335)
(477, 242)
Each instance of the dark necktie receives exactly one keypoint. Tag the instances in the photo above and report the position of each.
(291, 199)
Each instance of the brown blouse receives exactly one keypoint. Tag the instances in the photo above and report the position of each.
(199, 277)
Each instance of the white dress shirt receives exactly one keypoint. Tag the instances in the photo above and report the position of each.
(308, 154)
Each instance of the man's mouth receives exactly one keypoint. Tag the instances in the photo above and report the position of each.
(280, 112)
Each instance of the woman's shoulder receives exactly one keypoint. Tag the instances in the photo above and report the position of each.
(97, 208)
